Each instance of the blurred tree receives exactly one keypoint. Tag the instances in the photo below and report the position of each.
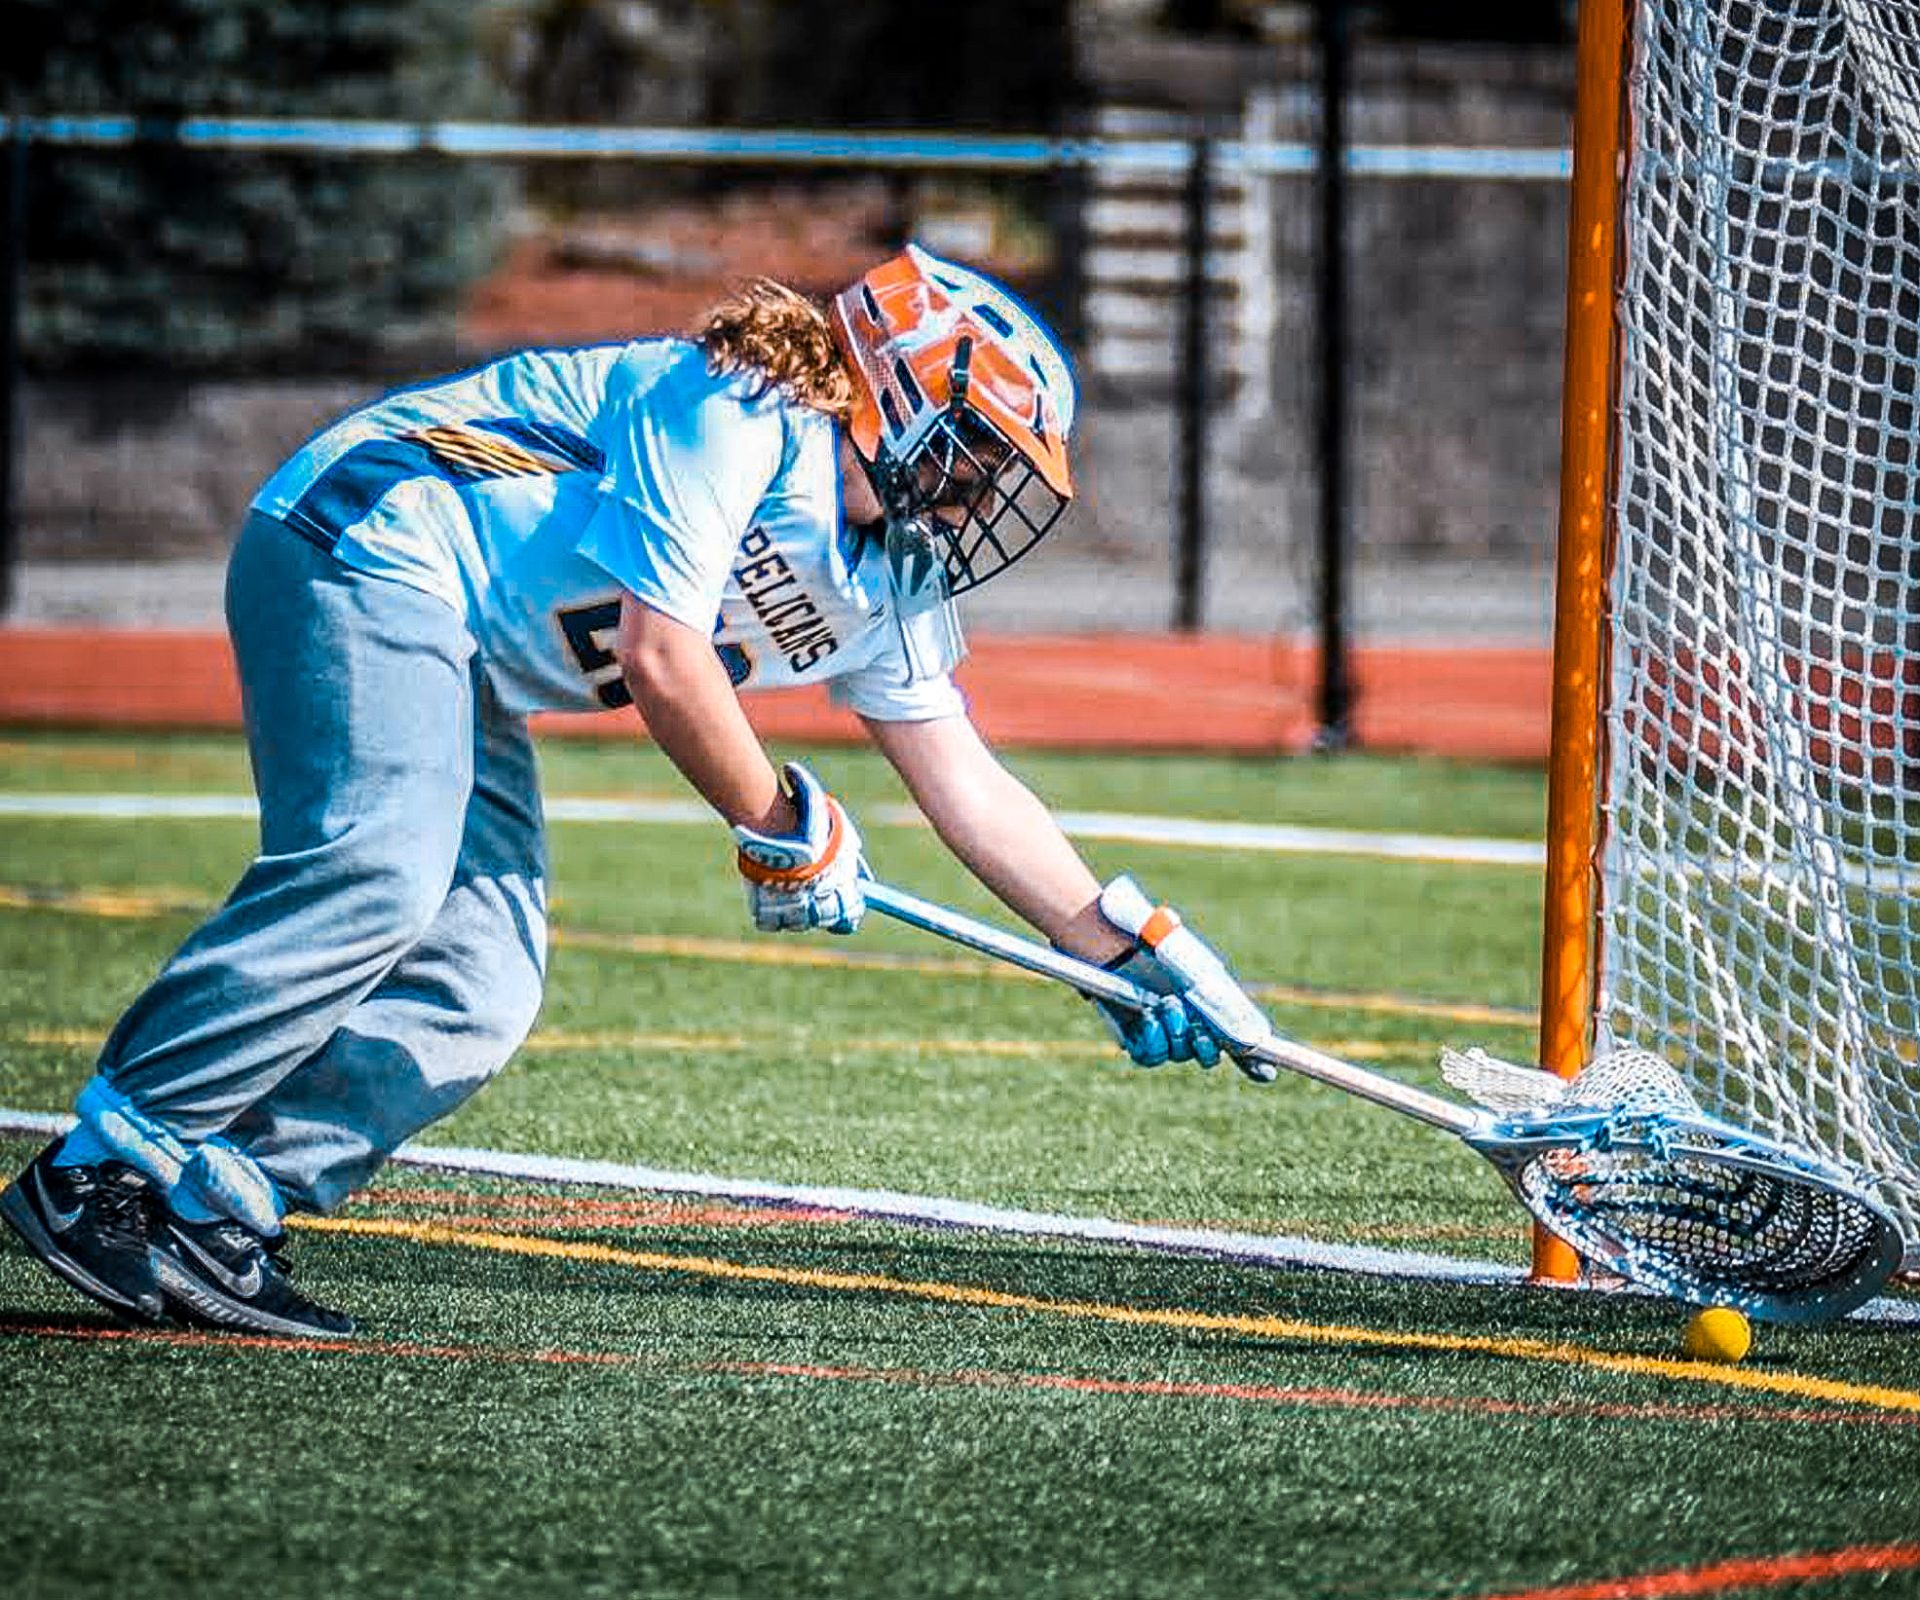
(161, 255)
(806, 63)
(991, 66)
(1525, 22)
(1004, 65)
(618, 61)
(999, 65)
(1522, 22)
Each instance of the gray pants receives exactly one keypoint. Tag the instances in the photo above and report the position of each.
(384, 955)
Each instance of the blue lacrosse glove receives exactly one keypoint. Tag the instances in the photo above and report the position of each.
(1171, 1031)
(1192, 973)
(809, 878)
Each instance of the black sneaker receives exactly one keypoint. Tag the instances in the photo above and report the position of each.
(224, 1275)
(93, 1226)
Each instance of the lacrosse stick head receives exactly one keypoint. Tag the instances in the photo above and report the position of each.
(1624, 1166)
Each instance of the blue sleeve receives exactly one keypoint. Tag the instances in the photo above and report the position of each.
(687, 467)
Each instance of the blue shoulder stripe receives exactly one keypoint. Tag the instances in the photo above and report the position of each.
(581, 453)
(348, 490)
(352, 486)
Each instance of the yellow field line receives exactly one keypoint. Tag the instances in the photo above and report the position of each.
(133, 904)
(557, 1039)
(95, 902)
(692, 948)
(1185, 1321)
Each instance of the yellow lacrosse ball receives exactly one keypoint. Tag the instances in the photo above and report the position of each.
(1718, 1333)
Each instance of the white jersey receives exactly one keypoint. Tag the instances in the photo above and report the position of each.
(530, 493)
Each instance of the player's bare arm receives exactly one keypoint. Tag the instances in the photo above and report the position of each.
(1001, 831)
(683, 695)
(799, 852)
(1008, 839)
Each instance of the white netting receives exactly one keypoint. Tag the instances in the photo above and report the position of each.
(1761, 815)
(1624, 1079)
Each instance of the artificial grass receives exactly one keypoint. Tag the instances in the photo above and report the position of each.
(1357, 790)
(737, 1404)
(516, 1425)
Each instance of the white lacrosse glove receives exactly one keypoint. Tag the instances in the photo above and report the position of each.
(1200, 980)
(810, 878)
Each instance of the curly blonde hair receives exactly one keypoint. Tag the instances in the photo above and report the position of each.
(782, 338)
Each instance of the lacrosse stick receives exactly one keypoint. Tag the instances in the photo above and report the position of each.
(1620, 1161)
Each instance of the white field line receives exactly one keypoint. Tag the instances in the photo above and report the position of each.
(1883, 877)
(1255, 1249)
(920, 1210)
(1188, 831)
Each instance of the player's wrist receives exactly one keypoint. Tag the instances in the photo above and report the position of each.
(1090, 936)
(779, 818)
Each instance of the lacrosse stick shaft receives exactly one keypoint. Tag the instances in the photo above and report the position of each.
(959, 928)
(1100, 984)
(1375, 1086)
(1694, 1252)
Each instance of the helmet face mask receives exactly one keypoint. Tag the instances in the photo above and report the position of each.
(967, 501)
(962, 406)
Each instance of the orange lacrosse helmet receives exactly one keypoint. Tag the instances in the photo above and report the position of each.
(963, 403)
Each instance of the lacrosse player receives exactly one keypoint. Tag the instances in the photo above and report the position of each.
(793, 495)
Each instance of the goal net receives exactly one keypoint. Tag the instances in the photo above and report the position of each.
(1756, 823)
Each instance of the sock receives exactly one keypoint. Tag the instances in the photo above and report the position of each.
(83, 1148)
(186, 1204)
(222, 1182)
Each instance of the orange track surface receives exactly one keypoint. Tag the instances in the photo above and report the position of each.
(1138, 692)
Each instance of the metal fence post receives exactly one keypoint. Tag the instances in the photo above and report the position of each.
(1069, 192)
(13, 249)
(1193, 391)
(1335, 731)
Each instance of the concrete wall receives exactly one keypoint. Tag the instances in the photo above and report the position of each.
(1456, 294)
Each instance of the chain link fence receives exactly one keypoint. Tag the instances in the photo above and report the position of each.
(127, 486)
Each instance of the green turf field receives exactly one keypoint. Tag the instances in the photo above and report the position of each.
(591, 1391)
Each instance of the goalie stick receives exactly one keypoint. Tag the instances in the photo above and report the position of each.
(1620, 1161)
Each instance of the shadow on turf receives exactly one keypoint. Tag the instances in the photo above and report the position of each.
(27, 1322)
(1062, 1274)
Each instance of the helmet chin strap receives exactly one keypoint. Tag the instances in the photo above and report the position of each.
(923, 611)
(916, 562)
(893, 480)
(893, 486)
(901, 527)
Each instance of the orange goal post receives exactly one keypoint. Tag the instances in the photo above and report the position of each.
(1733, 854)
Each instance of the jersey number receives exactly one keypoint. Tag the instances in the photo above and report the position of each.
(588, 628)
